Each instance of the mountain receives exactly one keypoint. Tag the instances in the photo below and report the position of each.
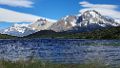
(41, 24)
(87, 21)
(18, 30)
(64, 24)
(21, 30)
(92, 17)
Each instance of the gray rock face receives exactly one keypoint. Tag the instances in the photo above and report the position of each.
(41, 24)
(64, 24)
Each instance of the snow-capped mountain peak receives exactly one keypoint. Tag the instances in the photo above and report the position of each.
(17, 27)
(91, 17)
(18, 30)
(91, 13)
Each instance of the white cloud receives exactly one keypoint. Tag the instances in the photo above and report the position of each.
(89, 5)
(13, 16)
(17, 3)
(104, 9)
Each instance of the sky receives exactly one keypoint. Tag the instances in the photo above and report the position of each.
(27, 11)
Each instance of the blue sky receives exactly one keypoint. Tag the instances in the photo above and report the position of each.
(53, 9)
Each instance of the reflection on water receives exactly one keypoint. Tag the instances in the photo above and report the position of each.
(61, 50)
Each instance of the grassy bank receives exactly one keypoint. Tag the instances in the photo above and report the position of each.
(5, 36)
(38, 64)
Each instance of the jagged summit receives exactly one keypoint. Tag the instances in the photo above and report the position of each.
(64, 23)
(91, 17)
(41, 24)
(93, 13)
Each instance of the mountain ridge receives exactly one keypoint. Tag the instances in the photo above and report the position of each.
(87, 21)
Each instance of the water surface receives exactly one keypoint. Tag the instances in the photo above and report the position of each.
(61, 50)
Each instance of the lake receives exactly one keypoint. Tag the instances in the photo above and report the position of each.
(61, 50)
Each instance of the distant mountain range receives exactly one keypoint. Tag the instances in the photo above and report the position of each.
(85, 22)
